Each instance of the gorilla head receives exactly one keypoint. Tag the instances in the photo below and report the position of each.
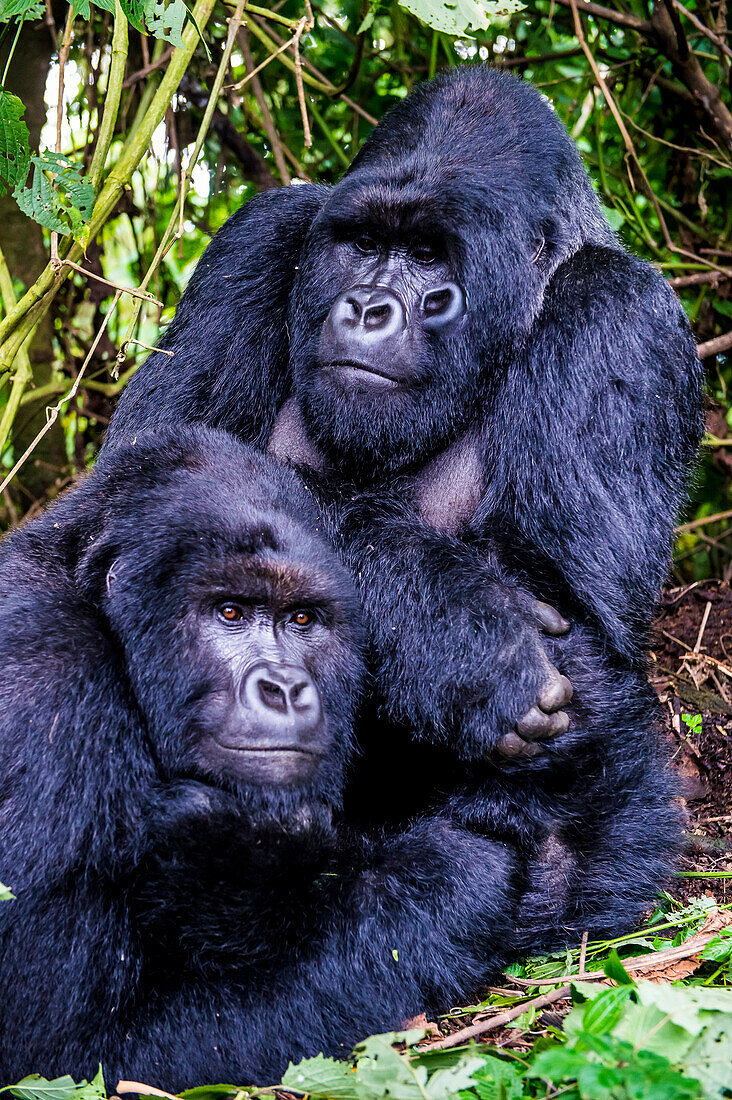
(431, 254)
(238, 628)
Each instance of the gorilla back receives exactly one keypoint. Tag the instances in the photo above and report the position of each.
(180, 673)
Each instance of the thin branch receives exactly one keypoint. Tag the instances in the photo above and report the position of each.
(52, 414)
(718, 42)
(715, 346)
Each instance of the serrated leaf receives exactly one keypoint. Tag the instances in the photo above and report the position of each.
(14, 147)
(459, 17)
(323, 1077)
(21, 9)
(58, 197)
(35, 1087)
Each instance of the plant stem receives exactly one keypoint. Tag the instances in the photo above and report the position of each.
(112, 96)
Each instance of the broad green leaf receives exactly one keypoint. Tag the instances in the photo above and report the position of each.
(615, 970)
(459, 17)
(497, 1080)
(165, 19)
(323, 1077)
(22, 9)
(5, 894)
(35, 1087)
(58, 198)
(14, 148)
(210, 1092)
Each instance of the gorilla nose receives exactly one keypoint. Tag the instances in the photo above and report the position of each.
(442, 304)
(284, 699)
(367, 314)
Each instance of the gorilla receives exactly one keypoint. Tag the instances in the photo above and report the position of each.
(181, 667)
(497, 406)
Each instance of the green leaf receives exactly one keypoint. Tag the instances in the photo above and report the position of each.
(58, 198)
(14, 147)
(720, 948)
(693, 722)
(210, 1092)
(5, 894)
(165, 19)
(22, 9)
(35, 1087)
(615, 969)
(367, 21)
(323, 1077)
(458, 17)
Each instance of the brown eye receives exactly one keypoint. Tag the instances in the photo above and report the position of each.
(425, 254)
(302, 618)
(365, 244)
(231, 612)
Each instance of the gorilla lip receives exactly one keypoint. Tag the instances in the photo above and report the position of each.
(364, 368)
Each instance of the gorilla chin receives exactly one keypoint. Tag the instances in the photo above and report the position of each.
(280, 766)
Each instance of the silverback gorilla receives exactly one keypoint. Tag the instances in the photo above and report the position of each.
(181, 663)
(497, 404)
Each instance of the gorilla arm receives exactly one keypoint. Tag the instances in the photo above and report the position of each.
(587, 460)
(229, 366)
(393, 927)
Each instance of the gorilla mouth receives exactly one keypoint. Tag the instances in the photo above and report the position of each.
(298, 750)
(377, 375)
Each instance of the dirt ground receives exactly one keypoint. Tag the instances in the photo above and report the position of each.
(691, 669)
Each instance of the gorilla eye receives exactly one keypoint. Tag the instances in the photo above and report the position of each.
(230, 612)
(424, 254)
(365, 244)
(302, 618)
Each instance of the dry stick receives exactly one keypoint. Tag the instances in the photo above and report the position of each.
(267, 120)
(147, 69)
(694, 523)
(144, 294)
(643, 962)
(305, 24)
(702, 627)
(52, 415)
(458, 1038)
(715, 346)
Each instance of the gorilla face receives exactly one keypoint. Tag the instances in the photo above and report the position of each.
(379, 351)
(239, 630)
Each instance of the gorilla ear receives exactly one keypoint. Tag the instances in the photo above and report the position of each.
(96, 569)
(545, 245)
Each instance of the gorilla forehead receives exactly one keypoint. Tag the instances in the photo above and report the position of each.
(474, 117)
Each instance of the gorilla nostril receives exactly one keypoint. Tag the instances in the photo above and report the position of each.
(442, 304)
(272, 696)
(377, 316)
(355, 306)
(437, 301)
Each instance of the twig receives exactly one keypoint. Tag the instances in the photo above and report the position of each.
(52, 414)
(715, 346)
(702, 627)
(147, 69)
(718, 42)
(144, 294)
(694, 523)
(583, 953)
(458, 1038)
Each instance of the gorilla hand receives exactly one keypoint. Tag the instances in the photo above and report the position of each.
(546, 718)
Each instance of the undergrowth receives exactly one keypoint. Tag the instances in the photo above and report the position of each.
(667, 1038)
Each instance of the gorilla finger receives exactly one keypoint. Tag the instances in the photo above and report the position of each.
(556, 694)
(536, 725)
(549, 619)
(512, 745)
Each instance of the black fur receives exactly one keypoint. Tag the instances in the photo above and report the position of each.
(566, 402)
(180, 926)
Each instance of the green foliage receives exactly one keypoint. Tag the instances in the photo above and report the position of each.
(58, 197)
(5, 893)
(14, 150)
(35, 1087)
(458, 17)
(693, 723)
